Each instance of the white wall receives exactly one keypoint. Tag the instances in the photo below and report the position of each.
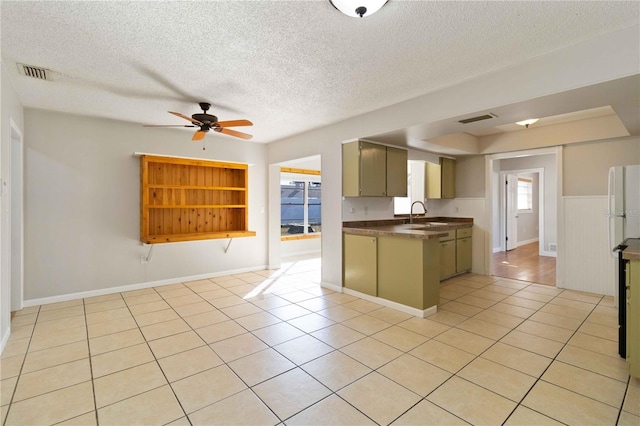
(11, 110)
(617, 57)
(83, 211)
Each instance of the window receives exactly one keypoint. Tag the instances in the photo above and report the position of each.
(525, 194)
(402, 205)
(300, 204)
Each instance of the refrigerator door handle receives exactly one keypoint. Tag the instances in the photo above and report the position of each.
(609, 213)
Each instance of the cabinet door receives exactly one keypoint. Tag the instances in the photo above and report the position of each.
(447, 259)
(373, 170)
(463, 255)
(396, 172)
(351, 169)
(432, 181)
(360, 263)
(448, 176)
(633, 318)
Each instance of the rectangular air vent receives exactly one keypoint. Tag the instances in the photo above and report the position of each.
(35, 72)
(478, 118)
(553, 247)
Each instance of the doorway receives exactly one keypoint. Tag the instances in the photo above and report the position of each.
(523, 202)
(295, 220)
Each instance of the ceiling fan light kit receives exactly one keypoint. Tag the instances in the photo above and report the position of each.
(527, 123)
(358, 8)
(208, 122)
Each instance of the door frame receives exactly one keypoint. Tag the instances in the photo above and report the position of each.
(17, 196)
(491, 178)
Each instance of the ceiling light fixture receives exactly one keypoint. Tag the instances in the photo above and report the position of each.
(526, 123)
(358, 8)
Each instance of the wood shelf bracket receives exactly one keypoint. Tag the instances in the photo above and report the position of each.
(147, 258)
(226, 249)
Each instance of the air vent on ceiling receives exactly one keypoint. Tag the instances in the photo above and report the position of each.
(478, 118)
(35, 72)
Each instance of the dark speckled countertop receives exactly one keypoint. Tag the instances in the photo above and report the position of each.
(422, 228)
(632, 252)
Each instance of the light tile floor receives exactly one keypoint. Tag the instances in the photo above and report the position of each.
(274, 347)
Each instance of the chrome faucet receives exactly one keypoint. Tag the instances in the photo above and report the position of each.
(411, 211)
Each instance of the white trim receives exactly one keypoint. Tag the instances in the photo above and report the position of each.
(5, 340)
(14, 128)
(393, 305)
(571, 197)
(497, 249)
(140, 154)
(130, 287)
(333, 287)
(302, 253)
(489, 171)
(525, 242)
(549, 254)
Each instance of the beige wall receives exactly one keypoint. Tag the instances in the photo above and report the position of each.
(470, 177)
(586, 166)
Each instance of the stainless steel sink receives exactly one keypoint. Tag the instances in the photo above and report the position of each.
(436, 224)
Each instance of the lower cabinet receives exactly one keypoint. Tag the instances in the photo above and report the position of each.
(402, 270)
(463, 255)
(360, 263)
(633, 317)
(455, 253)
(447, 258)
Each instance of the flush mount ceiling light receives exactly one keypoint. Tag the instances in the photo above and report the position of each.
(358, 8)
(528, 122)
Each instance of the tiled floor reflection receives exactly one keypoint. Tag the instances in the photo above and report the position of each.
(273, 347)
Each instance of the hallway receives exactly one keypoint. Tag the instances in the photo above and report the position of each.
(525, 264)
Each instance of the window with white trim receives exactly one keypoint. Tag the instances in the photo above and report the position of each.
(525, 194)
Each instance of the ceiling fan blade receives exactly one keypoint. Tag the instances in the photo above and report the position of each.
(199, 135)
(186, 118)
(233, 123)
(233, 133)
(168, 125)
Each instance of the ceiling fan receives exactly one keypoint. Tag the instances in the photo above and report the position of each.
(208, 122)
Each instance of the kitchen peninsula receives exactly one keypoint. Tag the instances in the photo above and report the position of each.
(397, 263)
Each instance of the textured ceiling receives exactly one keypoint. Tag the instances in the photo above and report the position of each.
(289, 66)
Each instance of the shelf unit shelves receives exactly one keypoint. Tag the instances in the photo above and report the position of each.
(186, 200)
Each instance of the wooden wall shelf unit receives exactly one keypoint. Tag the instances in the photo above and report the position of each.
(185, 200)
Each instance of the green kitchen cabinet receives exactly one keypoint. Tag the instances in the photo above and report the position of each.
(440, 179)
(447, 255)
(409, 271)
(633, 317)
(396, 172)
(372, 170)
(463, 255)
(360, 259)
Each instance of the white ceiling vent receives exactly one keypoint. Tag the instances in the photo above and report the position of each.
(478, 118)
(35, 72)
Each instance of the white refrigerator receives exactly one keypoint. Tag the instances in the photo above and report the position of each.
(624, 222)
(624, 205)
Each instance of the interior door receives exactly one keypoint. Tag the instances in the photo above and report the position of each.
(511, 231)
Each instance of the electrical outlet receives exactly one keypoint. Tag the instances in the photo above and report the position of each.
(143, 259)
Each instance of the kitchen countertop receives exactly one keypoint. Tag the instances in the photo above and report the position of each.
(632, 252)
(401, 228)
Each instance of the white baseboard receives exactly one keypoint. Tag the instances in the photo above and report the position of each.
(130, 287)
(525, 242)
(497, 249)
(333, 287)
(299, 253)
(393, 305)
(549, 253)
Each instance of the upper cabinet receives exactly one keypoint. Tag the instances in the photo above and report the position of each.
(440, 179)
(371, 170)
